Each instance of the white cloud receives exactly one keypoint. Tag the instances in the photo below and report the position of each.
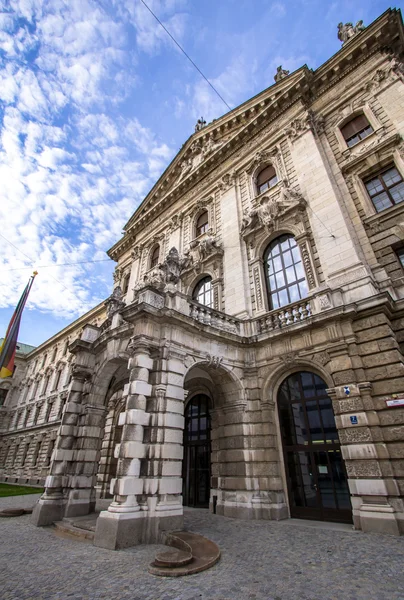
(278, 9)
(72, 168)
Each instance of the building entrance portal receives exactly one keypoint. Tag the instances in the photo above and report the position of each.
(196, 464)
(315, 471)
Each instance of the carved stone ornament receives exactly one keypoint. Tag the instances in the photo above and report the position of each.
(166, 273)
(175, 221)
(137, 252)
(312, 121)
(260, 157)
(213, 361)
(271, 210)
(200, 124)
(322, 358)
(348, 31)
(289, 359)
(114, 302)
(280, 74)
(227, 181)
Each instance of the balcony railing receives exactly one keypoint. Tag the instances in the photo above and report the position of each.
(283, 317)
(215, 318)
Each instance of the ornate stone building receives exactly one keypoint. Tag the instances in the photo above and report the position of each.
(250, 359)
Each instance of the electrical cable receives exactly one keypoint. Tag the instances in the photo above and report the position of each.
(185, 54)
(83, 262)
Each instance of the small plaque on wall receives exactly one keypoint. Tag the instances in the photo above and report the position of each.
(395, 402)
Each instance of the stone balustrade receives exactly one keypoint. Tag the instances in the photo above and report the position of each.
(282, 317)
(215, 318)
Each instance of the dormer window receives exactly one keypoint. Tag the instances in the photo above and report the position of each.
(154, 260)
(266, 179)
(356, 129)
(202, 224)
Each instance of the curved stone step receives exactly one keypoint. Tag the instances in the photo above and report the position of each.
(205, 554)
(15, 512)
(69, 530)
(173, 558)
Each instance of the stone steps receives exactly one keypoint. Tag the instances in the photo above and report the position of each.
(193, 553)
(68, 529)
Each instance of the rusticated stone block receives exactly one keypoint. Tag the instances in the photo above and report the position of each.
(363, 468)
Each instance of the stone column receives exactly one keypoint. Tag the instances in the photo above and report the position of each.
(57, 498)
(366, 455)
(122, 525)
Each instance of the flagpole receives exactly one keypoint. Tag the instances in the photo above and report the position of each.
(9, 346)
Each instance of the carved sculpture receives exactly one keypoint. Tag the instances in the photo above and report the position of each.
(348, 31)
(114, 303)
(270, 209)
(280, 74)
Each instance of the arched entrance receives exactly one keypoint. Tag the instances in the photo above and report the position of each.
(196, 463)
(315, 471)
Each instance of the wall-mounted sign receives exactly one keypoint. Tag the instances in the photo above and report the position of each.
(354, 420)
(395, 402)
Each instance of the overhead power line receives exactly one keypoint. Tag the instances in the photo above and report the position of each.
(185, 54)
(83, 262)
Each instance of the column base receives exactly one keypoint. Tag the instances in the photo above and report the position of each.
(377, 518)
(47, 511)
(115, 531)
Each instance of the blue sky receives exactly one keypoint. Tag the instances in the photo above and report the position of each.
(95, 100)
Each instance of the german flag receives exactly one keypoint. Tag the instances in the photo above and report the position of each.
(9, 345)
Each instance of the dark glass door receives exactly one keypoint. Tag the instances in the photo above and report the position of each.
(315, 471)
(196, 464)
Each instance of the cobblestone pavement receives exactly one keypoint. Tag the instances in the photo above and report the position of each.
(261, 560)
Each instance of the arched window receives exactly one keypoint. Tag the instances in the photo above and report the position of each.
(356, 129)
(202, 224)
(203, 292)
(285, 274)
(266, 179)
(154, 260)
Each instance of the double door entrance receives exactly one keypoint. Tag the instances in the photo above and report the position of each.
(316, 477)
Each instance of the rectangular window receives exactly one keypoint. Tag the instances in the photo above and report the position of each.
(400, 256)
(356, 130)
(386, 188)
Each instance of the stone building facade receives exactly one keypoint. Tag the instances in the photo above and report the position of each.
(251, 355)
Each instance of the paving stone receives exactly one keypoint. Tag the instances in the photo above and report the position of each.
(261, 560)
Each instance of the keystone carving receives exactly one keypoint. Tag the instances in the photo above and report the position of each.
(213, 361)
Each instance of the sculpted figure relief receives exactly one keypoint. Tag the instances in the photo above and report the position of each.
(348, 31)
(270, 209)
(114, 303)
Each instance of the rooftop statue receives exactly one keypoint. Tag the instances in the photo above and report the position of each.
(348, 31)
(280, 74)
(200, 124)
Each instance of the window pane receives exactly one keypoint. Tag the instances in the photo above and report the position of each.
(294, 293)
(382, 201)
(290, 275)
(277, 263)
(391, 177)
(397, 193)
(303, 288)
(300, 270)
(272, 283)
(283, 298)
(374, 186)
(287, 258)
(280, 279)
(274, 301)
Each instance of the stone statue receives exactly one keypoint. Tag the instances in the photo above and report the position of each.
(209, 246)
(114, 303)
(200, 124)
(348, 31)
(280, 74)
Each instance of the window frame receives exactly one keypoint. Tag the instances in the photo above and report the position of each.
(275, 292)
(201, 229)
(357, 133)
(197, 288)
(378, 175)
(154, 259)
(269, 187)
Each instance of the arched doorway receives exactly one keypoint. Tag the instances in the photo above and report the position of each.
(315, 471)
(196, 463)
